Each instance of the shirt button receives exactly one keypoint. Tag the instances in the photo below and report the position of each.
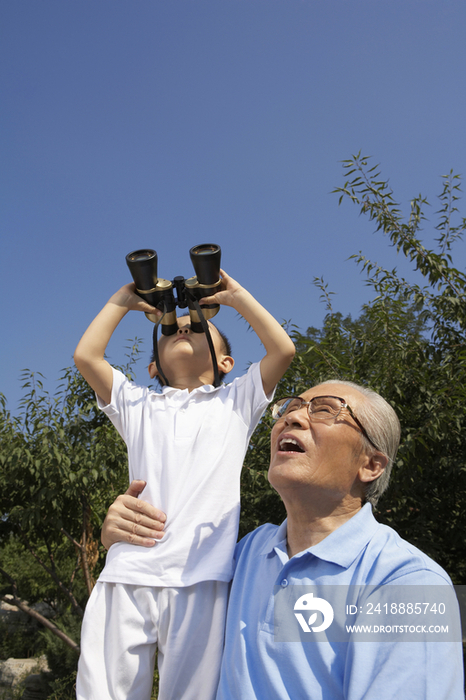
(284, 583)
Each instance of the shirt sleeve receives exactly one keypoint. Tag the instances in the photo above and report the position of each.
(124, 394)
(250, 398)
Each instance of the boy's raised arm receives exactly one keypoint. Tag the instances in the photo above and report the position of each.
(279, 347)
(89, 354)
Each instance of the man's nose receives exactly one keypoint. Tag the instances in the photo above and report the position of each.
(183, 329)
(298, 417)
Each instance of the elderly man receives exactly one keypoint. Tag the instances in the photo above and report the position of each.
(332, 449)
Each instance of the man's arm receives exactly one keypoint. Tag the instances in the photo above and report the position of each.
(89, 354)
(278, 345)
(132, 520)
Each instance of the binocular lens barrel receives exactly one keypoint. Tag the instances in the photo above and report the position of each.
(204, 249)
(206, 262)
(140, 255)
(143, 267)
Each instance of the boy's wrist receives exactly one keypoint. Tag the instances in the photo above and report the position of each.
(244, 302)
(120, 298)
(125, 298)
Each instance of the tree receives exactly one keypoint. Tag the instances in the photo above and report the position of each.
(61, 464)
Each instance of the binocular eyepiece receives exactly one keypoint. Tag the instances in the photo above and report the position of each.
(166, 295)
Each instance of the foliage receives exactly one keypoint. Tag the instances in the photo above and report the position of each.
(409, 344)
(18, 642)
(63, 688)
(60, 658)
(61, 465)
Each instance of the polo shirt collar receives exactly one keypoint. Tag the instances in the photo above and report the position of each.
(341, 547)
(204, 389)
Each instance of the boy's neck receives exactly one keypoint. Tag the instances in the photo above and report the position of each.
(189, 382)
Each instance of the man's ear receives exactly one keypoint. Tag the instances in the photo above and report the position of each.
(373, 467)
(225, 364)
(153, 370)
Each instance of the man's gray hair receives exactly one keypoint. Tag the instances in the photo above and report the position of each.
(383, 427)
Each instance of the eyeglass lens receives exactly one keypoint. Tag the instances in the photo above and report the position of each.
(319, 408)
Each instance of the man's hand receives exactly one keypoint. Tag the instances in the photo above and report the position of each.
(133, 521)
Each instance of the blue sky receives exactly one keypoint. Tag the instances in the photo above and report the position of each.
(143, 123)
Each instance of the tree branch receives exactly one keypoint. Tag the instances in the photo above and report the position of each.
(22, 605)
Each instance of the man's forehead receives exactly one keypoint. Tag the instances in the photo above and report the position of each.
(348, 393)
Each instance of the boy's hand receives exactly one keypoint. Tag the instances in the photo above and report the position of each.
(89, 356)
(279, 347)
(127, 298)
(228, 294)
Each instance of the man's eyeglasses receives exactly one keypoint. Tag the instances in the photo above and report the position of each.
(320, 408)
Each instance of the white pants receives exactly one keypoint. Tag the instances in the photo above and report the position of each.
(122, 627)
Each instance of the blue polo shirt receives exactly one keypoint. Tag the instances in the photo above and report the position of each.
(362, 551)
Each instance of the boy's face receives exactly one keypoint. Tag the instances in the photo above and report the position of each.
(187, 351)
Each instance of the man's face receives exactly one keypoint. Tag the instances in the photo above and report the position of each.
(319, 456)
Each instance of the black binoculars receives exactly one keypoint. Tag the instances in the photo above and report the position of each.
(181, 292)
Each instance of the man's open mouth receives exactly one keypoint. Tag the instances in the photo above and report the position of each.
(288, 444)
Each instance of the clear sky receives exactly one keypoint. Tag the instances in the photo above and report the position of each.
(165, 124)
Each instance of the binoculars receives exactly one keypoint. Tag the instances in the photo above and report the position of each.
(166, 295)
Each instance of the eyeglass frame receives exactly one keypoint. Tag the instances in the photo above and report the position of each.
(344, 404)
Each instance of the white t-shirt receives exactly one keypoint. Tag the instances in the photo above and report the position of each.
(189, 447)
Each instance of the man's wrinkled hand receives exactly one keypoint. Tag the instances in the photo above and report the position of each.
(132, 520)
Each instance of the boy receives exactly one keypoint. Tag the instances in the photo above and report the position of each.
(188, 444)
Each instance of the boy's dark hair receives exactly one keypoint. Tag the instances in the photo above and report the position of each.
(226, 346)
